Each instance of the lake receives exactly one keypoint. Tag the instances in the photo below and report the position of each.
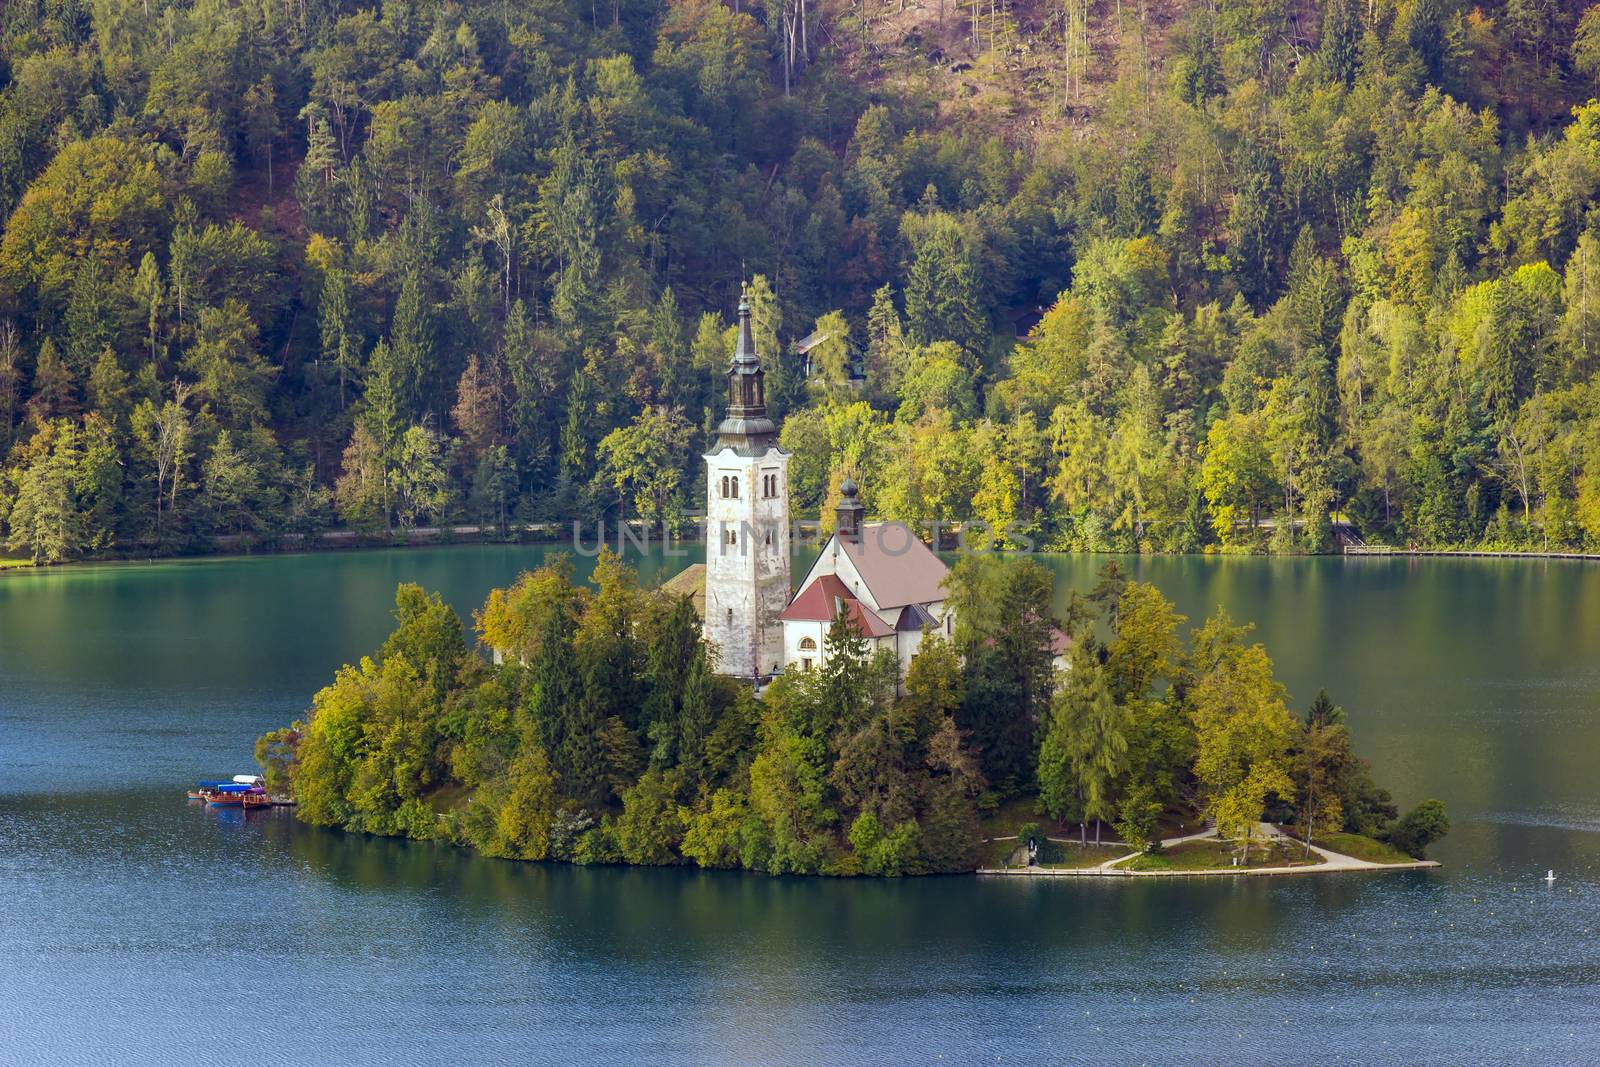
(138, 928)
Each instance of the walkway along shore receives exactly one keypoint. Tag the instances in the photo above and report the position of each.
(1332, 862)
(1479, 553)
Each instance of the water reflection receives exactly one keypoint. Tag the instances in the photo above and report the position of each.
(1478, 683)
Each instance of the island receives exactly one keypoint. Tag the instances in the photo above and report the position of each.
(588, 725)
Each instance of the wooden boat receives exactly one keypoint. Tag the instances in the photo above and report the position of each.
(204, 789)
(243, 791)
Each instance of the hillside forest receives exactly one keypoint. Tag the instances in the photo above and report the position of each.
(1118, 275)
(599, 734)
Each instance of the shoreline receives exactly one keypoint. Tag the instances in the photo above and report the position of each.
(233, 546)
(1331, 862)
(1216, 872)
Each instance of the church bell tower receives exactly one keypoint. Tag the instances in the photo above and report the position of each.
(747, 524)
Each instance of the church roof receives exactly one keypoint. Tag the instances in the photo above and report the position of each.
(689, 582)
(746, 428)
(914, 619)
(897, 567)
(823, 599)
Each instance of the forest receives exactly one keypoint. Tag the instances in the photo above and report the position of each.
(599, 733)
(1244, 275)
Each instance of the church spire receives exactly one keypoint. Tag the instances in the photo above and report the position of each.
(744, 352)
(746, 427)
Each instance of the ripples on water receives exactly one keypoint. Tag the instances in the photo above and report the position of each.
(137, 928)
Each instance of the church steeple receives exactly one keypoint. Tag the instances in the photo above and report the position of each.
(848, 514)
(746, 427)
(747, 525)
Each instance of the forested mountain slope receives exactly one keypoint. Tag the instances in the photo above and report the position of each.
(273, 266)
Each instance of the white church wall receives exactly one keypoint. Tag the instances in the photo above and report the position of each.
(747, 560)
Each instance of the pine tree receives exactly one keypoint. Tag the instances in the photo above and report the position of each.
(10, 383)
(942, 288)
(108, 388)
(1340, 42)
(529, 386)
(842, 697)
(556, 686)
(339, 343)
(412, 342)
(576, 447)
(383, 409)
(90, 318)
(697, 717)
(148, 294)
(45, 518)
(54, 387)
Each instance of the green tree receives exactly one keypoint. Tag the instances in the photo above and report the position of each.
(230, 377)
(1243, 729)
(643, 464)
(163, 432)
(650, 828)
(1419, 828)
(421, 487)
(1236, 474)
(46, 520)
(942, 289)
(1083, 753)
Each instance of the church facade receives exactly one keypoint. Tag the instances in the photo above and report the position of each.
(885, 581)
(881, 576)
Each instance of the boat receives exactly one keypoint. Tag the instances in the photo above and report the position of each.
(241, 791)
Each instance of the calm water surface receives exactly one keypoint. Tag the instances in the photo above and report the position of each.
(135, 927)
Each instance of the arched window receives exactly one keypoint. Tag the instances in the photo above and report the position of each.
(724, 485)
(808, 644)
(768, 538)
(736, 487)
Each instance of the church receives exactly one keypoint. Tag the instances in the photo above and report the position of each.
(888, 584)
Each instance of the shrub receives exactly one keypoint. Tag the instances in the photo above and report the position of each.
(1419, 828)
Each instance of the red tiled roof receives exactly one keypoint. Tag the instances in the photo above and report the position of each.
(820, 602)
(897, 567)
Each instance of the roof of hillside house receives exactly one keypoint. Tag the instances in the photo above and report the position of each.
(897, 567)
(823, 599)
(689, 582)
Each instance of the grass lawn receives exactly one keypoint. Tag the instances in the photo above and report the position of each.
(1008, 817)
(5, 563)
(1057, 855)
(1216, 855)
(1000, 854)
(1362, 848)
(1075, 857)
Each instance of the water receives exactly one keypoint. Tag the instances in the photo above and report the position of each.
(135, 927)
